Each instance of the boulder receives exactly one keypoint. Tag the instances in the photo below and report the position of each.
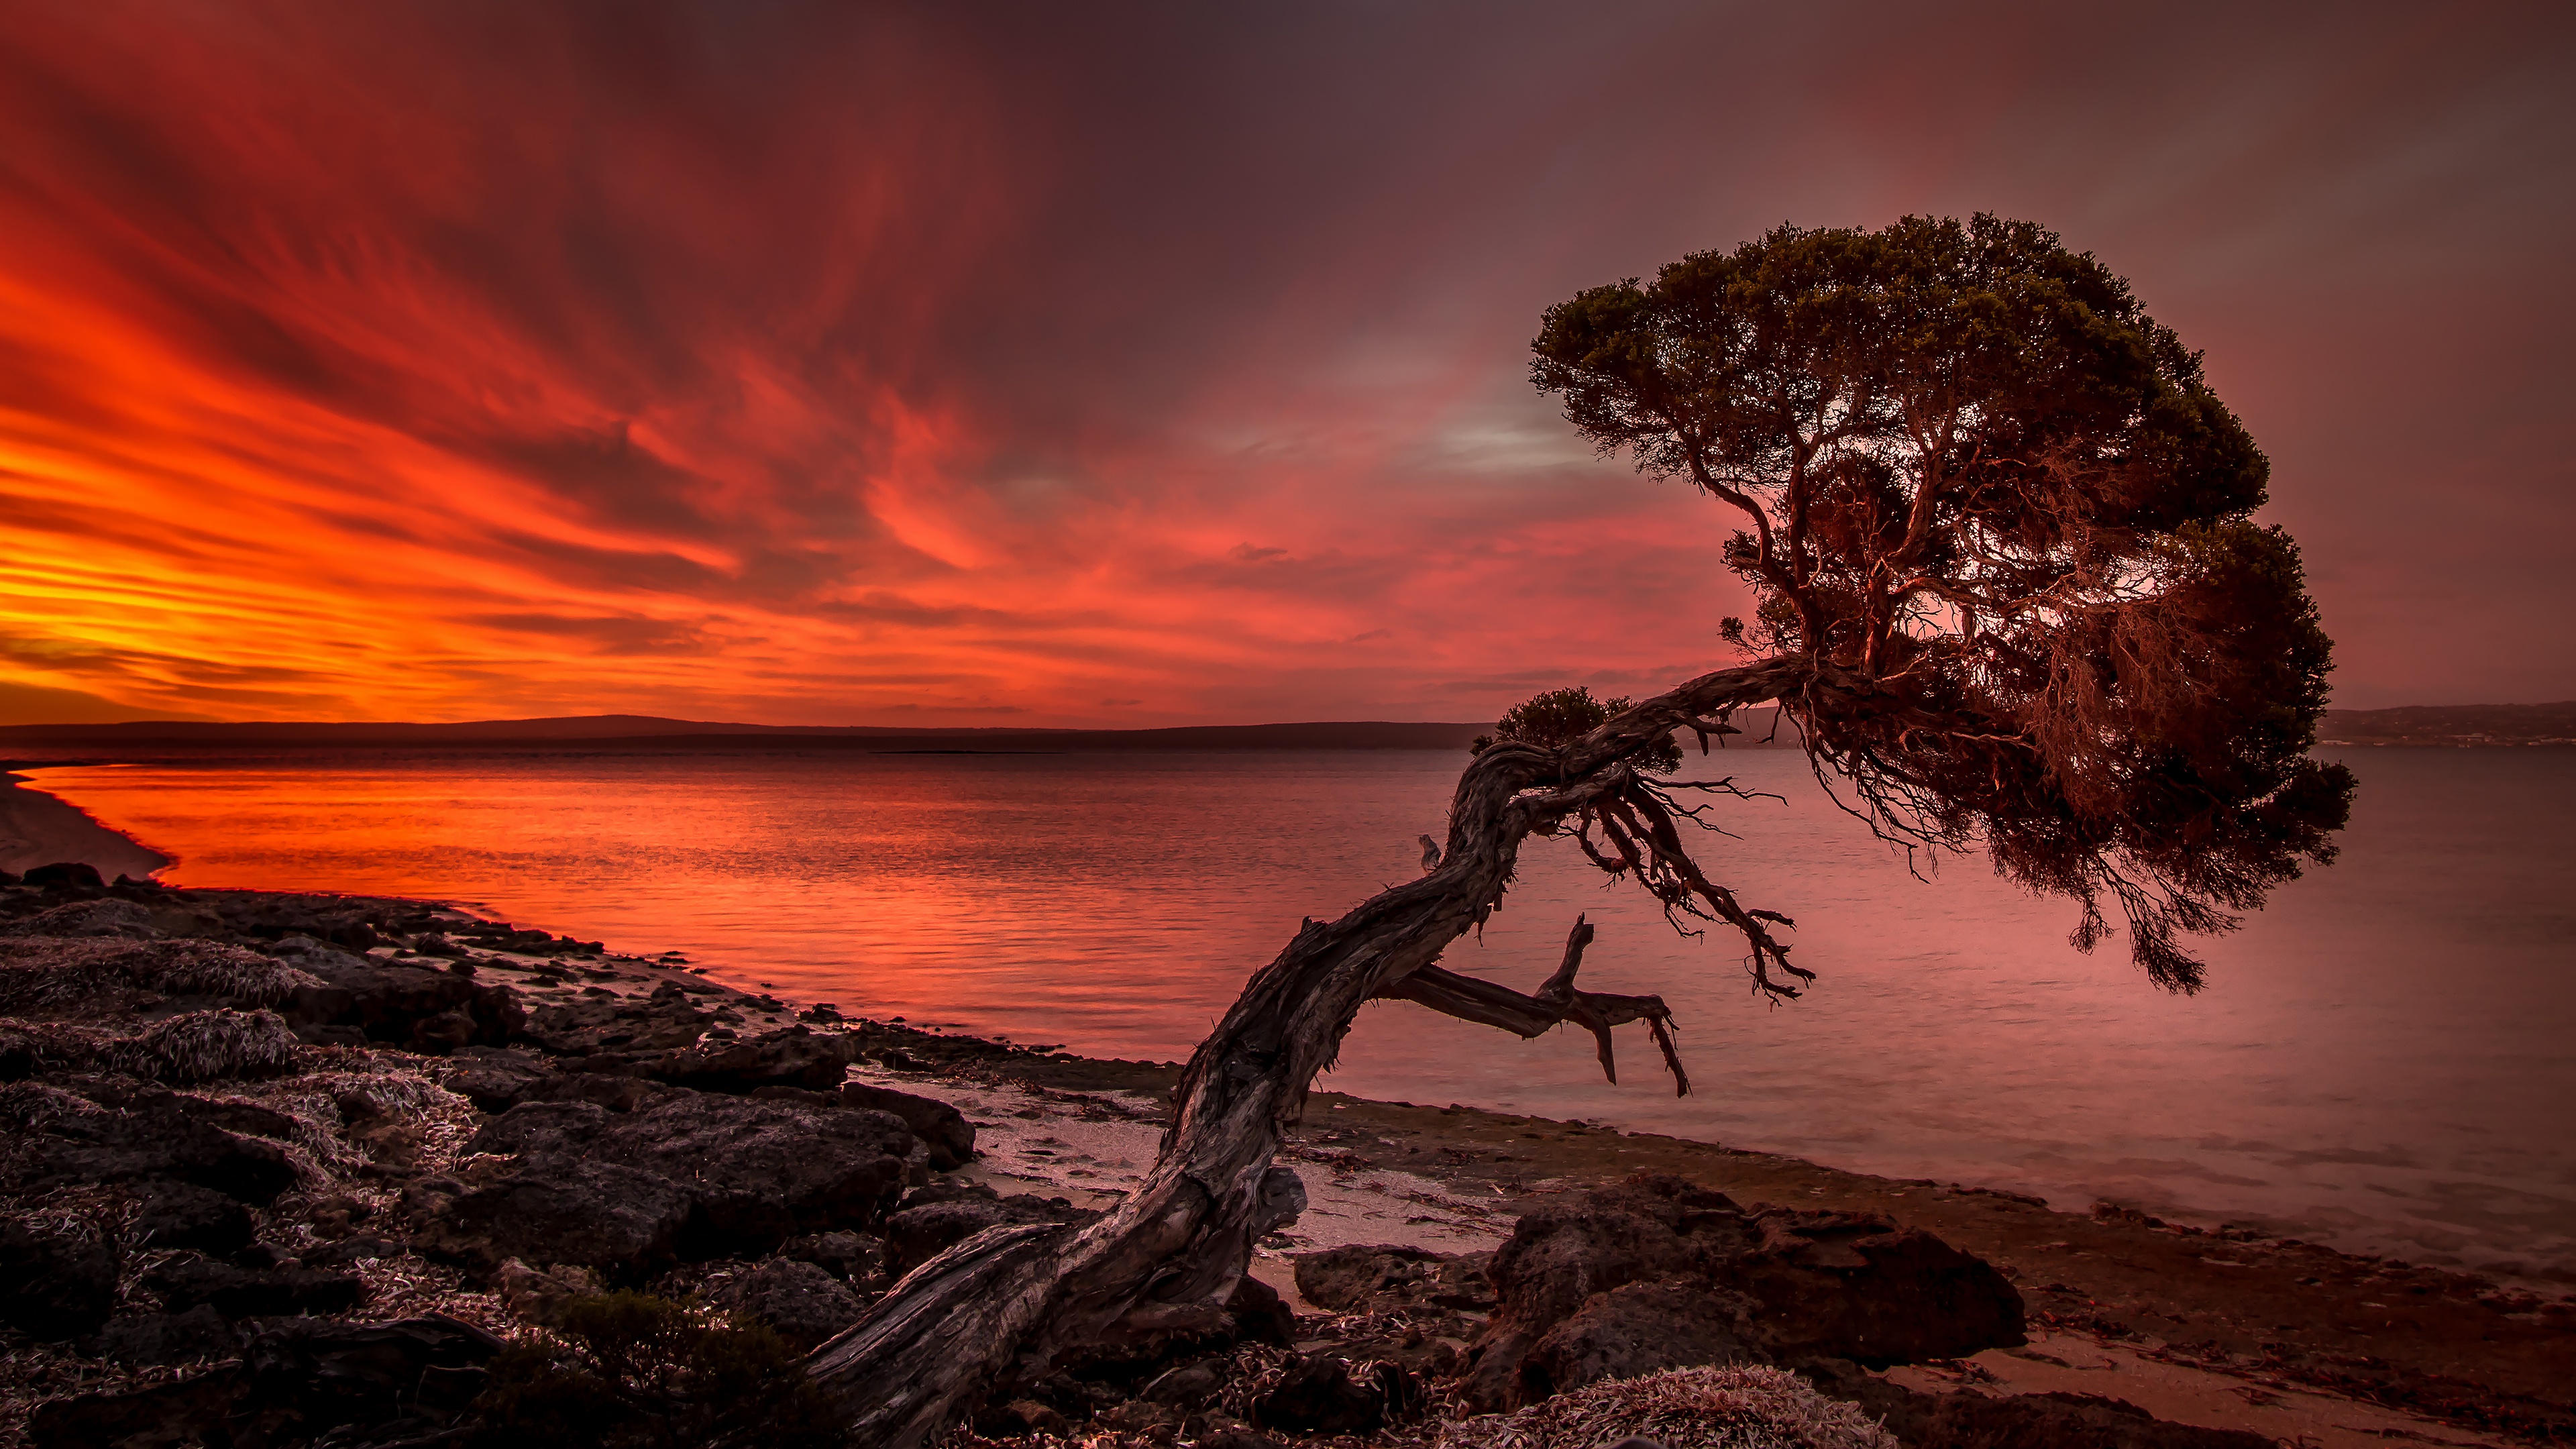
(610, 1024)
(1773, 1286)
(1560, 1255)
(420, 1372)
(78, 875)
(916, 1235)
(184, 1215)
(495, 1079)
(941, 1127)
(1380, 1278)
(793, 1056)
(1855, 1286)
(755, 1173)
(55, 1287)
(798, 1301)
(1640, 1328)
(238, 1292)
(618, 1220)
(416, 1006)
(683, 1175)
(160, 1136)
(166, 1338)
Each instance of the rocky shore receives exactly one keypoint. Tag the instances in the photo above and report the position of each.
(287, 1169)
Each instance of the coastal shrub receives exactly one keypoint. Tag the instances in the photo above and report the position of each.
(1742, 1407)
(633, 1371)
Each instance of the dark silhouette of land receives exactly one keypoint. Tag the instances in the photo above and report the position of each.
(2453, 725)
(648, 734)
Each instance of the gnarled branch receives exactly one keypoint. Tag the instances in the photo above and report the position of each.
(1488, 1003)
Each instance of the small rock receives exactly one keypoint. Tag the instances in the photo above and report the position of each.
(854, 1258)
(184, 1215)
(1364, 1278)
(539, 1294)
(1188, 1386)
(916, 1235)
(1320, 1396)
(237, 1292)
(166, 1338)
(798, 1301)
(352, 1250)
(495, 1079)
(1019, 1418)
(53, 1288)
(950, 1136)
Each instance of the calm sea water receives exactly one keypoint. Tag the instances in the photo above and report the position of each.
(2385, 1060)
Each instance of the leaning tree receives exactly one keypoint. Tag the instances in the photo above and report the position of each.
(2007, 589)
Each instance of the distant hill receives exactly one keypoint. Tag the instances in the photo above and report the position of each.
(2435, 725)
(631, 733)
(2453, 725)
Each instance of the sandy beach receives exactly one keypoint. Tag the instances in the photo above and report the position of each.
(38, 829)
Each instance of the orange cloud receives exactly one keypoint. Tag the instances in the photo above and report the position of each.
(837, 364)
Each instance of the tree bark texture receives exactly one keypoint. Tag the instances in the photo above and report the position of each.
(1008, 1302)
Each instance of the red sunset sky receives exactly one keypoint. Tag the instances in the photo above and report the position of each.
(1076, 364)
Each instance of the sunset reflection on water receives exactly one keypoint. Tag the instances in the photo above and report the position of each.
(2379, 1061)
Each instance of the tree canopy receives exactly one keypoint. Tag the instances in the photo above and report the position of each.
(1974, 473)
(2007, 585)
(1559, 717)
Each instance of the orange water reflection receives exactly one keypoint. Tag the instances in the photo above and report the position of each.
(2381, 1061)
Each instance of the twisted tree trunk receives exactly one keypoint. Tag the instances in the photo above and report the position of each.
(1008, 1302)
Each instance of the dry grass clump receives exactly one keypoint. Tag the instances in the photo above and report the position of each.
(203, 1046)
(85, 918)
(87, 977)
(204, 968)
(1744, 1407)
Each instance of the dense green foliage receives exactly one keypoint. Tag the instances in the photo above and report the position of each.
(1561, 716)
(632, 1371)
(1974, 470)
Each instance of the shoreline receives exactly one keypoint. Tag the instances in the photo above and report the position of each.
(39, 828)
(2208, 1325)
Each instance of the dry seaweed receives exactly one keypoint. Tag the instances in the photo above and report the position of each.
(1743, 1407)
